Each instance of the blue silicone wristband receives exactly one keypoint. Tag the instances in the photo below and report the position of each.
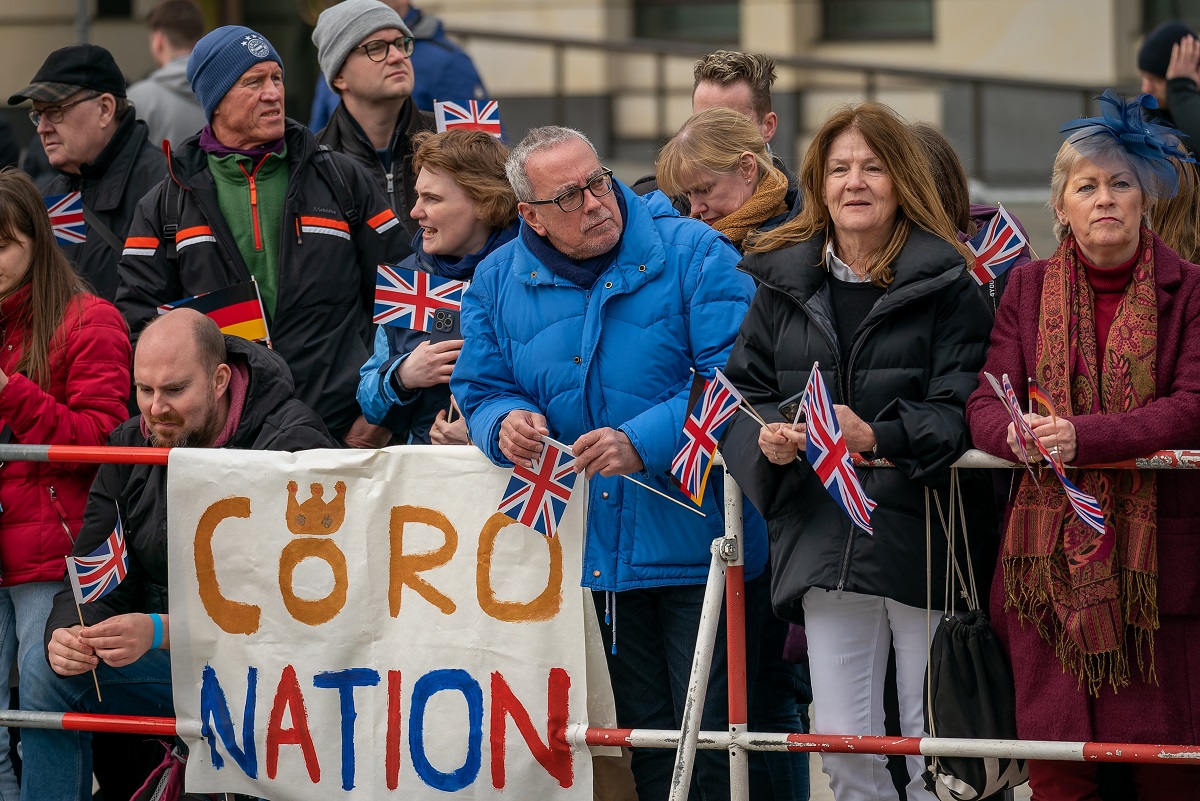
(156, 643)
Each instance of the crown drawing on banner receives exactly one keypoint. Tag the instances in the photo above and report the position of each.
(315, 516)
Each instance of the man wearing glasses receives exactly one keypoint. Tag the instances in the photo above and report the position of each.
(364, 49)
(253, 197)
(98, 147)
(586, 329)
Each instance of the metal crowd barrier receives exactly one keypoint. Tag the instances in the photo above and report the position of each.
(726, 583)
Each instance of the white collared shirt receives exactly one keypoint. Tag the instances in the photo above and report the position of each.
(840, 270)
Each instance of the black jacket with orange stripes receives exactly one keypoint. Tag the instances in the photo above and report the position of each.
(399, 181)
(336, 228)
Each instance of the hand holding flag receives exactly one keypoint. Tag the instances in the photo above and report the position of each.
(830, 458)
(710, 405)
(537, 496)
(99, 573)
(1084, 505)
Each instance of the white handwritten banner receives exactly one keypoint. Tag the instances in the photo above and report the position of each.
(349, 624)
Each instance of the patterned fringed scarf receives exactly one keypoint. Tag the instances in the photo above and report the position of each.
(1098, 586)
(769, 200)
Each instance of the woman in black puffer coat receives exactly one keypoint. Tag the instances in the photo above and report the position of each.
(869, 281)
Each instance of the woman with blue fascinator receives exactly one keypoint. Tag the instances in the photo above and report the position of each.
(1098, 625)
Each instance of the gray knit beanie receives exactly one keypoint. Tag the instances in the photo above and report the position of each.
(341, 28)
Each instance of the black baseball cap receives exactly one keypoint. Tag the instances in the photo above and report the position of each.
(70, 69)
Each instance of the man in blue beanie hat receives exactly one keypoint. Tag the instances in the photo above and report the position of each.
(1169, 63)
(254, 197)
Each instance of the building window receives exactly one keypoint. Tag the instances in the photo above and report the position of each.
(114, 9)
(715, 21)
(1156, 12)
(856, 20)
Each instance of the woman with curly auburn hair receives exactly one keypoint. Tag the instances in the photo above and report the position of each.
(466, 209)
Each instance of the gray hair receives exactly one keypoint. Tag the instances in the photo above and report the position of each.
(1103, 151)
(537, 139)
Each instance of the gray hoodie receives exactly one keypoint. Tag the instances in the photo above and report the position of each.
(166, 103)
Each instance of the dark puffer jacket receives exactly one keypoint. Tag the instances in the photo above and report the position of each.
(327, 263)
(914, 361)
(343, 135)
(112, 185)
(272, 420)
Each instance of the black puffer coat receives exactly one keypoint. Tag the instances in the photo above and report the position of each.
(342, 135)
(272, 420)
(914, 361)
(112, 186)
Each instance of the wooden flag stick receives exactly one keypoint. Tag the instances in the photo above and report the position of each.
(664, 495)
(95, 680)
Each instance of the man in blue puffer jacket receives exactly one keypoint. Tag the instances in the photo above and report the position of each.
(584, 329)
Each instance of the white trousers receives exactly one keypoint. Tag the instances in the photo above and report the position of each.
(848, 643)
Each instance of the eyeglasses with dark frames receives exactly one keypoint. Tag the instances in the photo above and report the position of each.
(572, 199)
(55, 113)
(377, 49)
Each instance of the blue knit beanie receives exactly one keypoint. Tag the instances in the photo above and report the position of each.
(221, 58)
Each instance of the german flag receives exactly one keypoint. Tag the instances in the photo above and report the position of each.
(236, 309)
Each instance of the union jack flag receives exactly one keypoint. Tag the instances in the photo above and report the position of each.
(97, 574)
(66, 218)
(826, 451)
(538, 496)
(410, 298)
(996, 247)
(1086, 506)
(718, 402)
(469, 115)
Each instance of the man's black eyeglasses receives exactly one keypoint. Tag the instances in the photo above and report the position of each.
(377, 49)
(55, 113)
(572, 199)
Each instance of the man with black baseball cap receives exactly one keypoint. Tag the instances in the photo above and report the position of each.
(97, 147)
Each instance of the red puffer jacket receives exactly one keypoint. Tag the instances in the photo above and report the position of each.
(42, 504)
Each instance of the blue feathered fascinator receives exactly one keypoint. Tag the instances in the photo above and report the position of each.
(1124, 131)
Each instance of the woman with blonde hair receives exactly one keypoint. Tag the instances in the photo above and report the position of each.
(869, 282)
(466, 209)
(720, 164)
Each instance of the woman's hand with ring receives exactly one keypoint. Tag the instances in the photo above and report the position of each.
(1058, 435)
(780, 443)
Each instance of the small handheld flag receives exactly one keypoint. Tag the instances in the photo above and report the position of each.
(97, 574)
(468, 115)
(711, 404)
(1086, 506)
(1039, 395)
(537, 497)
(66, 218)
(996, 247)
(407, 298)
(237, 310)
(827, 452)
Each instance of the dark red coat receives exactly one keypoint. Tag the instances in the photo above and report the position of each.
(1050, 704)
(84, 401)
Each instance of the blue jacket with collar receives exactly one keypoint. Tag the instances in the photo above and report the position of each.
(617, 355)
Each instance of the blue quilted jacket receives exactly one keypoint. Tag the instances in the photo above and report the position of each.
(617, 355)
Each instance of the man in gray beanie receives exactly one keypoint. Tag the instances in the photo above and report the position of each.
(363, 47)
(1169, 63)
(253, 197)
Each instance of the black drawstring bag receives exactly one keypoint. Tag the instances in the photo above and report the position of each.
(969, 684)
